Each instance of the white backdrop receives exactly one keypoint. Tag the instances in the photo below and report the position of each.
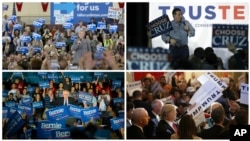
(202, 15)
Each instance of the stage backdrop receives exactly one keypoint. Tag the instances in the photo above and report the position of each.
(202, 15)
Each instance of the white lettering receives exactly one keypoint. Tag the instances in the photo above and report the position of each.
(51, 125)
(51, 113)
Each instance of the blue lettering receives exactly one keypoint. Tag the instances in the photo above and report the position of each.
(210, 10)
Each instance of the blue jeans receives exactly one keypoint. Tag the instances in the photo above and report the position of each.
(179, 53)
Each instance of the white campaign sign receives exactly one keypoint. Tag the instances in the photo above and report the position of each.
(132, 86)
(244, 95)
(202, 15)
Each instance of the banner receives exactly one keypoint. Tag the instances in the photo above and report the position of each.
(60, 44)
(62, 12)
(84, 96)
(210, 91)
(37, 50)
(10, 104)
(113, 28)
(38, 104)
(25, 39)
(159, 26)
(17, 27)
(133, 86)
(60, 134)
(43, 84)
(117, 101)
(26, 100)
(91, 27)
(75, 79)
(116, 84)
(244, 95)
(12, 110)
(101, 25)
(68, 25)
(98, 74)
(37, 24)
(22, 50)
(5, 113)
(147, 58)
(114, 13)
(75, 111)
(59, 113)
(44, 128)
(117, 123)
(225, 33)
(17, 74)
(25, 109)
(14, 123)
(36, 36)
(88, 113)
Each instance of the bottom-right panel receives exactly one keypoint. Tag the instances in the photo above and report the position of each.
(185, 105)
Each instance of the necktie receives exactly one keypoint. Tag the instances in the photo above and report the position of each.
(175, 127)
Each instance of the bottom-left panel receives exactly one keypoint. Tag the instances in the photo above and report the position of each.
(63, 105)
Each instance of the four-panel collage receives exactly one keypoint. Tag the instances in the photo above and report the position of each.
(125, 70)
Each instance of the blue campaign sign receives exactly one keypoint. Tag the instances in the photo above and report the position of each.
(73, 12)
(116, 84)
(17, 27)
(25, 39)
(37, 24)
(53, 76)
(121, 113)
(37, 50)
(42, 73)
(5, 112)
(26, 100)
(140, 58)
(44, 128)
(60, 133)
(24, 108)
(60, 44)
(12, 110)
(117, 100)
(224, 33)
(36, 36)
(160, 26)
(59, 113)
(10, 104)
(101, 25)
(41, 20)
(117, 123)
(22, 50)
(91, 27)
(75, 79)
(37, 104)
(5, 93)
(14, 123)
(12, 18)
(75, 111)
(28, 133)
(98, 74)
(31, 89)
(43, 84)
(73, 38)
(88, 113)
(84, 96)
(113, 28)
(68, 25)
(17, 74)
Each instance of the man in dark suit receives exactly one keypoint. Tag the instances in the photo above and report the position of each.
(218, 116)
(140, 119)
(150, 129)
(138, 103)
(65, 100)
(167, 126)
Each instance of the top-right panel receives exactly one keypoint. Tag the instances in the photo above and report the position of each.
(187, 36)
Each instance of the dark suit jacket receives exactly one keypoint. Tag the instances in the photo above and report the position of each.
(142, 104)
(164, 130)
(150, 129)
(134, 132)
(60, 101)
(211, 133)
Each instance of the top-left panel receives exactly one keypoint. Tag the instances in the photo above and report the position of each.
(63, 36)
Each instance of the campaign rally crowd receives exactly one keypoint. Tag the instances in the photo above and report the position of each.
(163, 107)
(71, 46)
(65, 107)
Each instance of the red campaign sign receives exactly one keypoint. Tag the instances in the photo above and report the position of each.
(45, 6)
(121, 4)
(19, 6)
